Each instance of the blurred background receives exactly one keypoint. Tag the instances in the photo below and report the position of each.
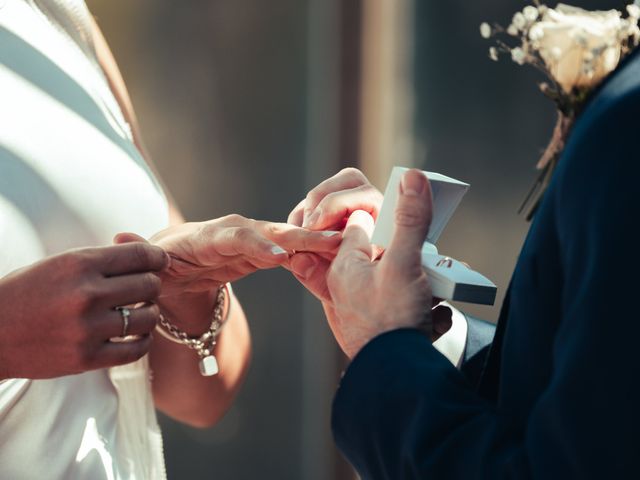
(246, 104)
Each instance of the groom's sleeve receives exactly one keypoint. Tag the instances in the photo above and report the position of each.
(404, 412)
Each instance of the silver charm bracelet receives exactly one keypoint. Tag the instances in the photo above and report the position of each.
(205, 343)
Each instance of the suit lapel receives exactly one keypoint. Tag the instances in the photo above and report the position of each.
(490, 376)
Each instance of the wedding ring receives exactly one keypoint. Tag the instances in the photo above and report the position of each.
(125, 313)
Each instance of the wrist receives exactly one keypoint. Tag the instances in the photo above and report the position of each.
(191, 312)
(204, 343)
(421, 321)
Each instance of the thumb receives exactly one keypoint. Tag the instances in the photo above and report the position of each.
(357, 235)
(128, 238)
(412, 220)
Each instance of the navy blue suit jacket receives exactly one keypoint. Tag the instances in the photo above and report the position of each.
(559, 394)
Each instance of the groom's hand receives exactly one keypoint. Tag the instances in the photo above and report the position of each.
(370, 297)
(327, 207)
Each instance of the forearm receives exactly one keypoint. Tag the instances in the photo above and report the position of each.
(401, 397)
(179, 389)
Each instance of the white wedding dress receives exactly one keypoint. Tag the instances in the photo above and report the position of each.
(70, 176)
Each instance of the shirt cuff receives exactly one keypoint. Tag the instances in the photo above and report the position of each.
(452, 343)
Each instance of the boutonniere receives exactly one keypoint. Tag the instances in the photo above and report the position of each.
(576, 50)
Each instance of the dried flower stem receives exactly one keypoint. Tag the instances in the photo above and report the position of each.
(556, 145)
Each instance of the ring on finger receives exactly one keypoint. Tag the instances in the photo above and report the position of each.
(125, 313)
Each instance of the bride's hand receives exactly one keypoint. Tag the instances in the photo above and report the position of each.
(205, 255)
(58, 315)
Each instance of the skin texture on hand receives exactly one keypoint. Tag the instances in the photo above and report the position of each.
(365, 296)
(207, 254)
(329, 205)
(58, 315)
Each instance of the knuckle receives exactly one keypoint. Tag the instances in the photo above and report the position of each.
(328, 200)
(142, 253)
(274, 229)
(305, 241)
(375, 194)
(207, 230)
(77, 262)
(312, 198)
(296, 210)
(351, 258)
(151, 284)
(85, 330)
(353, 173)
(234, 219)
(410, 215)
(85, 297)
(243, 235)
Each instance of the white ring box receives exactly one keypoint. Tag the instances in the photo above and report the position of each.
(449, 278)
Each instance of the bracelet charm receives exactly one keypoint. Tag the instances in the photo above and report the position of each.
(208, 366)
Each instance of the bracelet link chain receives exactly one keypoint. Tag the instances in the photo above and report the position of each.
(205, 343)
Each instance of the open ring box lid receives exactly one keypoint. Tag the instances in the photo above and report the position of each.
(447, 194)
(449, 278)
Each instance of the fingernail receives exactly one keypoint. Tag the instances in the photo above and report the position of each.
(413, 184)
(304, 267)
(312, 219)
(278, 250)
(330, 233)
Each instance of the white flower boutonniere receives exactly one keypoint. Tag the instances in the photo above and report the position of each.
(576, 49)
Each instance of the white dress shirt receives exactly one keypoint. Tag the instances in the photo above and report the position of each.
(452, 343)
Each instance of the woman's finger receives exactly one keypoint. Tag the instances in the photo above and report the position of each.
(121, 353)
(336, 206)
(246, 241)
(128, 237)
(140, 321)
(129, 258)
(130, 289)
(345, 179)
(298, 239)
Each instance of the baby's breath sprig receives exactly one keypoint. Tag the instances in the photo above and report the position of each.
(576, 50)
